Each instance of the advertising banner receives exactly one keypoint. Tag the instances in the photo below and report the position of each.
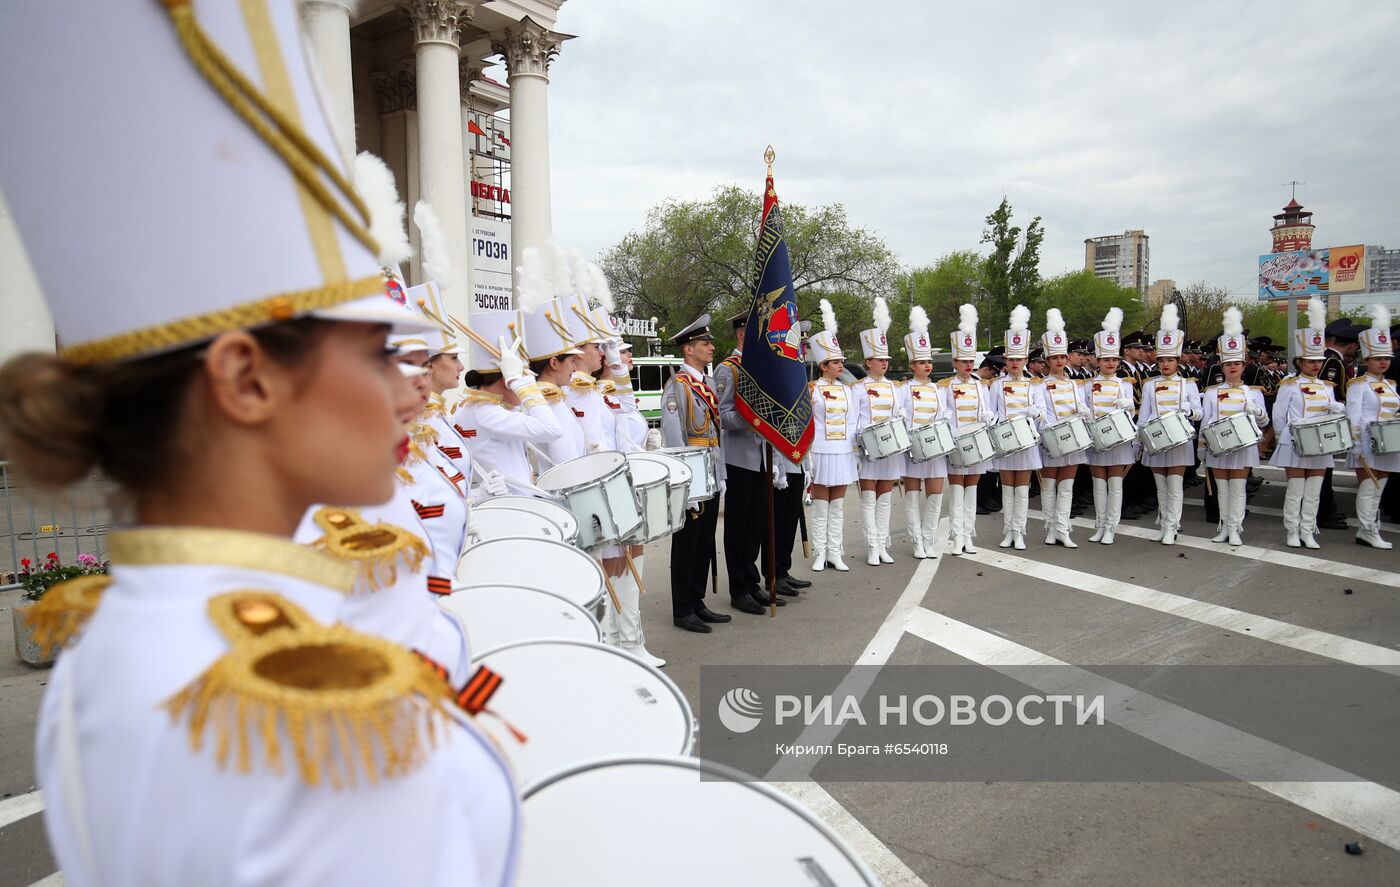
(1296, 274)
(491, 281)
(1346, 268)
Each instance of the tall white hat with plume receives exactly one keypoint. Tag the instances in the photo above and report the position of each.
(1054, 340)
(917, 343)
(964, 338)
(873, 343)
(1169, 337)
(1311, 343)
(1108, 341)
(1018, 333)
(1376, 341)
(1232, 345)
(823, 345)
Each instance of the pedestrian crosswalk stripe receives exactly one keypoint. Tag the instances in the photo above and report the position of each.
(17, 808)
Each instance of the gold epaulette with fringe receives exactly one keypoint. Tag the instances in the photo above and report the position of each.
(551, 392)
(334, 702)
(422, 435)
(475, 396)
(582, 382)
(608, 387)
(64, 608)
(379, 548)
(437, 405)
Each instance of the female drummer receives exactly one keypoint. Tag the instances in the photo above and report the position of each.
(1169, 392)
(1016, 395)
(1061, 398)
(833, 447)
(876, 401)
(922, 404)
(1301, 397)
(222, 404)
(1372, 398)
(1221, 401)
(968, 405)
(552, 346)
(1107, 393)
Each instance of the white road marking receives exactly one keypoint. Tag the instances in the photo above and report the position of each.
(889, 869)
(1307, 640)
(1337, 569)
(1263, 510)
(1368, 808)
(17, 808)
(54, 880)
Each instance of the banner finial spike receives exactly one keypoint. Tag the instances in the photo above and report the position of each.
(768, 157)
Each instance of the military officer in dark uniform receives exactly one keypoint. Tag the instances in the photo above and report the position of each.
(1340, 356)
(1139, 489)
(989, 486)
(690, 418)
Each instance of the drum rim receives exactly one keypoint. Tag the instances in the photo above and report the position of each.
(563, 533)
(597, 628)
(597, 567)
(673, 465)
(731, 774)
(619, 466)
(496, 503)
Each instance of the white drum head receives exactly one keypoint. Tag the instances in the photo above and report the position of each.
(574, 472)
(646, 472)
(679, 471)
(566, 839)
(562, 517)
(498, 615)
(497, 523)
(579, 702)
(533, 563)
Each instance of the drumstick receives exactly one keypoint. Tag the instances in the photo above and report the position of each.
(1369, 474)
(641, 589)
(612, 593)
(538, 452)
(481, 473)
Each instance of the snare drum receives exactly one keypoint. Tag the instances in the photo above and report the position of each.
(1225, 436)
(652, 481)
(1066, 437)
(1323, 436)
(1014, 435)
(930, 441)
(579, 702)
(597, 488)
(499, 523)
(497, 615)
(885, 438)
(552, 511)
(1112, 429)
(972, 445)
(1164, 432)
(533, 563)
(678, 486)
(791, 848)
(701, 463)
(1385, 436)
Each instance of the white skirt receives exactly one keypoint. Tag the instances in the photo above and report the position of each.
(1285, 457)
(833, 469)
(1123, 454)
(1026, 460)
(1245, 458)
(1079, 458)
(888, 468)
(935, 467)
(1375, 461)
(1175, 457)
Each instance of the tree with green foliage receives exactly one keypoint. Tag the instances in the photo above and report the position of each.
(1012, 271)
(1084, 299)
(697, 256)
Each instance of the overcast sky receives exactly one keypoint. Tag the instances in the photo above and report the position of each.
(1180, 118)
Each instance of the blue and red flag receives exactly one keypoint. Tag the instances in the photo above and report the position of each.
(771, 381)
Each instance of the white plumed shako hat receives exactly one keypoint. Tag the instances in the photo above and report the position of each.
(1108, 342)
(964, 338)
(1169, 335)
(917, 343)
(1311, 343)
(1375, 342)
(1054, 340)
(1018, 333)
(873, 342)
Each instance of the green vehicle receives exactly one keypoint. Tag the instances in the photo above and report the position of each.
(649, 375)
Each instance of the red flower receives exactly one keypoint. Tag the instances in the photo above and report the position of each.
(24, 562)
(53, 556)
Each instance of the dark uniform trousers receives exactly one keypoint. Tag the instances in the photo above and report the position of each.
(745, 528)
(787, 507)
(692, 551)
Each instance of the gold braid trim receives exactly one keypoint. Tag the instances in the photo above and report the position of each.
(337, 702)
(377, 548)
(422, 436)
(63, 609)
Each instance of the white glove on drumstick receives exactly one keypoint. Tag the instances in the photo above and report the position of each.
(512, 364)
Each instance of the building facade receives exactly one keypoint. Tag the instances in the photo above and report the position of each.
(1293, 229)
(1382, 270)
(1159, 292)
(1122, 258)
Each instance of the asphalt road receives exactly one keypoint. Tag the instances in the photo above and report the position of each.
(1134, 603)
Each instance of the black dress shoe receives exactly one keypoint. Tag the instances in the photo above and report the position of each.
(748, 605)
(982, 509)
(786, 590)
(691, 622)
(795, 582)
(710, 616)
(762, 598)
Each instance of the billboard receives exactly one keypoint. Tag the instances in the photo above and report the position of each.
(490, 249)
(1297, 274)
(1346, 269)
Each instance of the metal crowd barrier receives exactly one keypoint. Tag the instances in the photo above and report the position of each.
(38, 522)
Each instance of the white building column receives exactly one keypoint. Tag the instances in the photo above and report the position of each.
(437, 26)
(528, 49)
(27, 325)
(327, 24)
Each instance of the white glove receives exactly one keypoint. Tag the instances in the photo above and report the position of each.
(1335, 408)
(612, 353)
(1255, 410)
(1036, 413)
(1125, 403)
(780, 481)
(494, 483)
(511, 363)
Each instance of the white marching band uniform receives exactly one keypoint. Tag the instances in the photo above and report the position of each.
(832, 456)
(921, 403)
(1372, 398)
(1301, 397)
(968, 403)
(876, 401)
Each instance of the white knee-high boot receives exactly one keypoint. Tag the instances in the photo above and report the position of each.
(836, 534)
(1161, 481)
(1115, 509)
(882, 524)
(1008, 516)
(913, 520)
(1172, 515)
(955, 518)
(1368, 513)
(869, 527)
(1047, 508)
(1307, 518)
(1222, 497)
(816, 531)
(1292, 511)
(1238, 495)
(969, 519)
(1023, 506)
(1100, 507)
(630, 635)
(1064, 501)
(933, 510)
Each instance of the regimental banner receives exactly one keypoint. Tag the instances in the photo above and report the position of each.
(490, 250)
(1346, 269)
(1296, 274)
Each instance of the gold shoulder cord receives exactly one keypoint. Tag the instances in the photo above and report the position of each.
(63, 609)
(336, 701)
(378, 548)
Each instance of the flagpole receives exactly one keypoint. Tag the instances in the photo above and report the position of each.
(772, 551)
